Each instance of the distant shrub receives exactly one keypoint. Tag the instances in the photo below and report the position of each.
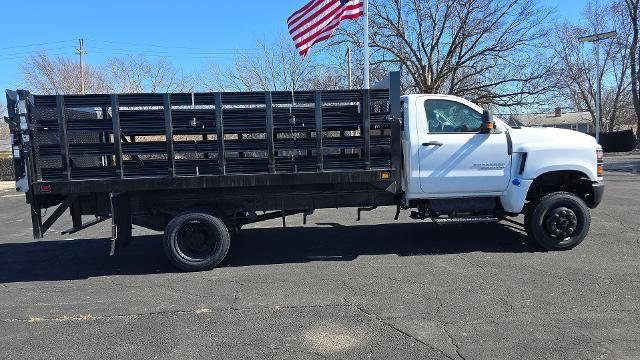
(6, 168)
(4, 130)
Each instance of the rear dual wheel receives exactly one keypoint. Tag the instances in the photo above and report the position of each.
(558, 221)
(195, 241)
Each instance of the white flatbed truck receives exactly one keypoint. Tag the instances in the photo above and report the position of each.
(200, 166)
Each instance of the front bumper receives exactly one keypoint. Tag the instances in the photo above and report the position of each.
(598, 194)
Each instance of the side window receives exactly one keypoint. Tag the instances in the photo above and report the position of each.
(445, 116)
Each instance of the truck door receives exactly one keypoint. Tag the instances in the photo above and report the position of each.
(455, 158)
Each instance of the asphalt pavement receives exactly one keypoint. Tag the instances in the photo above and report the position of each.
(332, 289)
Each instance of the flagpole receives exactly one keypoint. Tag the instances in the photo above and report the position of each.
(366, 44)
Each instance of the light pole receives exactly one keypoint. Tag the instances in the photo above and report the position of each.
(349, 76)
(366, 44)
(595, 39)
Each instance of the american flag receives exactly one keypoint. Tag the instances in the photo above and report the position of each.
(316, 21)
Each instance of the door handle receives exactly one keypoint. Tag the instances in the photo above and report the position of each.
(432, 143)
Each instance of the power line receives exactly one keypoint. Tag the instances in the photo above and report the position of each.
(109, 53)
(33, 51)
(171, 46)
(206, 53)
(40, 44)
(22, 57)
(175, 56)
(168, 52)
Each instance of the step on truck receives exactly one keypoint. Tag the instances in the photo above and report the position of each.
(200, 166)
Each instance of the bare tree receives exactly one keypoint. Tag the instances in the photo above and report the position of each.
(632, 11)
(60, 75)
(4, 128)
(137, 73)
(327, 79)
(487, 50)
(578, 74)
(276, 66)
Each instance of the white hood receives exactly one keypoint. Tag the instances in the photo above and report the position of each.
(551, 149)
(568, 139)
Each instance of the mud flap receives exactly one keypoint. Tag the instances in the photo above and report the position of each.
(120, 222)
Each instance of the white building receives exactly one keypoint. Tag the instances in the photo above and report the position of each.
(578, 121)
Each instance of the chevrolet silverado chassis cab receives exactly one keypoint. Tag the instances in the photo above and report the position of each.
(200, 166)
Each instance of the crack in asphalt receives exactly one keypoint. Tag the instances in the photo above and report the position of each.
(473, 263)
(293, 352)
(625, 226)
(374, 316)
(418, 314)
(446, 331)
(182, 292)
(564, 312)
(236, 297)
(468, 261)
(585, 281)
(385, 321)
(89, 317)
(452, 341)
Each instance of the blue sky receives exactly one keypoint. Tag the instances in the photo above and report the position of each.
(189, 33)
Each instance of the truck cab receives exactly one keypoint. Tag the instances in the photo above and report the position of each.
(461, 160)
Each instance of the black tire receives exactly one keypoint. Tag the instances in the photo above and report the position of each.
(558, 221)
(196, 241)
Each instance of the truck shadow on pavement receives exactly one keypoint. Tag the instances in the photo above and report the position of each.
(85, 258)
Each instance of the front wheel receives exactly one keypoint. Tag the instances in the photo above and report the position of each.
(195, 241)
(558, 221)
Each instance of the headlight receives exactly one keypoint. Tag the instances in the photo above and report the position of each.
(600, 160)
(599, 153)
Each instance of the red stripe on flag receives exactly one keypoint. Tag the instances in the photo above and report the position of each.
(325, 32)
(330, 15)
(317, 31)
(317, 20)
(326, 17)
(318, 34)
(313, 18)
(313, 5)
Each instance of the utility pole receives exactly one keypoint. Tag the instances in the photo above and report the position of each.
(349, 68)
(81, 53)
(595, 39)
